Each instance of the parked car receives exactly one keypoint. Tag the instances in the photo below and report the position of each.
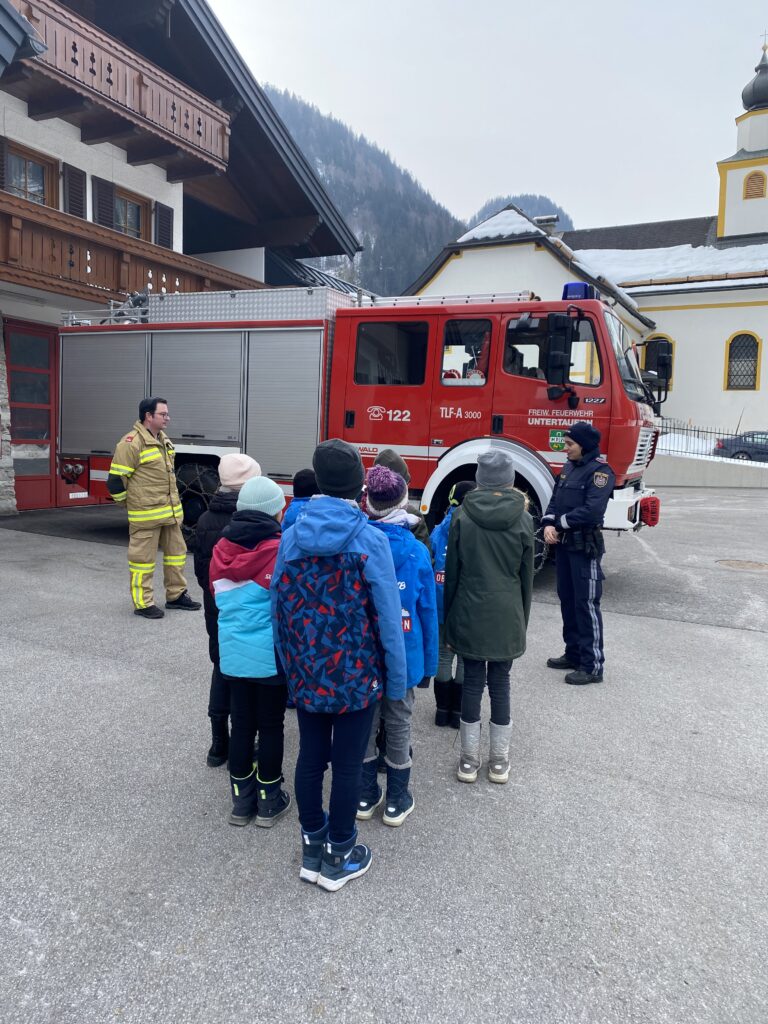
(753, 445)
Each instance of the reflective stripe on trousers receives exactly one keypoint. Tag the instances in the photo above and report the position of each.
(143, 543)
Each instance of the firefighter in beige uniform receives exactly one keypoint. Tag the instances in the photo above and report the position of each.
(142, 475)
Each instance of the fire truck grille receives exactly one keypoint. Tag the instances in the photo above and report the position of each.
(644, 449)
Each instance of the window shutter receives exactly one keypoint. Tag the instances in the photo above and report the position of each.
(103, 202)
(163, 226)
(754, 185)
(3, 160)
(74, 191)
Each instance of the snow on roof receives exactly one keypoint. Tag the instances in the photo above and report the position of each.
(502, 225)
(677, 261)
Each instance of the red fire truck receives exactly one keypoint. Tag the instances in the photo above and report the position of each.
(274, 371)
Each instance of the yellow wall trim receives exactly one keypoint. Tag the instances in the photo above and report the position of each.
(750, 113)
(721, 203)
(759, 341)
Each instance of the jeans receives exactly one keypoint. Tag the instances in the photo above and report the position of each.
(397, 725)
(340, 740)
(445, 662)
(257, 705)
(498, 690)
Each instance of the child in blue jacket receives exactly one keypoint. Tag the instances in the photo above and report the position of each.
(447, 685)
(386, 498)
(241, 569)
(304, 486)
(339, 635)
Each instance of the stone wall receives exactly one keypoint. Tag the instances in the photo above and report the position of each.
(7, 489)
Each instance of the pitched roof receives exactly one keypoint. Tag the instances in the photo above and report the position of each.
(653, 235)
(18, 38)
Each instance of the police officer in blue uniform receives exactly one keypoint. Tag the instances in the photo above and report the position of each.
(572, 521)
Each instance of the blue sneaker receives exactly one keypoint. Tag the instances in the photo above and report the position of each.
(371, 794)
(312, 844)
(342, 862)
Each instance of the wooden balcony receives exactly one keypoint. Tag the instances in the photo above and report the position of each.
(45, 249)
(90, 79)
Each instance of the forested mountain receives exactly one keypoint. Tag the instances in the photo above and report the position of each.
(401, 227)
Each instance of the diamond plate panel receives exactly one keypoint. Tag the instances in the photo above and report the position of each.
(260, 304)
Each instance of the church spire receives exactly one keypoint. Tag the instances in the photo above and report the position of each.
(755, 93)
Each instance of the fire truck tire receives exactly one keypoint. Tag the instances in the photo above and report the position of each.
(197, 483)
(541, 550)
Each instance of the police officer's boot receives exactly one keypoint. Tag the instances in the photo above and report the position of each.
(581, 678)
(498, 757)
(219, 751)
(443, 701)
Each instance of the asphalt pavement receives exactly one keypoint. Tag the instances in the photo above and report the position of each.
(621, 877)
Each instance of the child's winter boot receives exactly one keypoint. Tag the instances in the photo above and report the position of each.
(244, 798)
(219, 751)
(456, 689)
(469, 760)
(272, 802)
(498, 758)
(342, 862)
(443, 701)
(400, 802)
(312, 844)
(371, 793)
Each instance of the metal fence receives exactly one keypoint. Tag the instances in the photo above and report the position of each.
(678, 438)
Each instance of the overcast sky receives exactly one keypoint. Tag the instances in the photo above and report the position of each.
(617, 110)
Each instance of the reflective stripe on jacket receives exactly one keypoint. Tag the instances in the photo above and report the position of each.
(145, 464)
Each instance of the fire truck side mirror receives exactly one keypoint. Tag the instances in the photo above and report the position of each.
(663, 361)
(559, 334)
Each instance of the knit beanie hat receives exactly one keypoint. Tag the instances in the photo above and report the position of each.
(585, 435)
(235, 469)
(260, 494)
(338, 469)
(385, 491)
(460, 490)
(495, 469)
(304, 484)
(388, 457)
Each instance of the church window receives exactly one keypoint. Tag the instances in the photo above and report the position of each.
(742, 363)
(755, 185)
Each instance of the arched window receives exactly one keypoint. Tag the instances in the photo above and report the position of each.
(651, 353)
(742, 362)
(755, 185)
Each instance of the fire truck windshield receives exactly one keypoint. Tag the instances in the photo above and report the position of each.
(625, 357)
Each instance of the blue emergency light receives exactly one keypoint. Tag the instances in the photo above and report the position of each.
(579, 290)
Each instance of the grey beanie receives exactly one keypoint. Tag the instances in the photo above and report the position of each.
(495, 468)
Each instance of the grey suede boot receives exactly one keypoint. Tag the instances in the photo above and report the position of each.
(469, 760)
(498, 758)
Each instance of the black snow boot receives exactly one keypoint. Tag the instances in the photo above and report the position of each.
(443, 701)
(456, 689)
(219, 751)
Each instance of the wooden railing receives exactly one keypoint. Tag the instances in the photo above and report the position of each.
(100, 68)
(43, 248)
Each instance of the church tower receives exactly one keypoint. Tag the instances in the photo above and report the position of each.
(743, 206)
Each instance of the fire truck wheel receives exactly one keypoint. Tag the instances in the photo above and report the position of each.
(197, 483)
(541, 550)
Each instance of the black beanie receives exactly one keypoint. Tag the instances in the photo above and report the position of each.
(338, 469)
(388, 457)
(585, 435)
(304, 484)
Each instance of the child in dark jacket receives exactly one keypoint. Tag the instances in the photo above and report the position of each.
(304, 486)
(241, 573)
(340, 638)
(447, 685)
(488, 588)
(234, 470)
(387, 497)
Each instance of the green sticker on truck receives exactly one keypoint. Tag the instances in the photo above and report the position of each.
(557, 440)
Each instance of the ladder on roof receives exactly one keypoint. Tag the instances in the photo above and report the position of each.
(446, 300)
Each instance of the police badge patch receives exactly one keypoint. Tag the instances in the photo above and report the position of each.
(600, 478)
